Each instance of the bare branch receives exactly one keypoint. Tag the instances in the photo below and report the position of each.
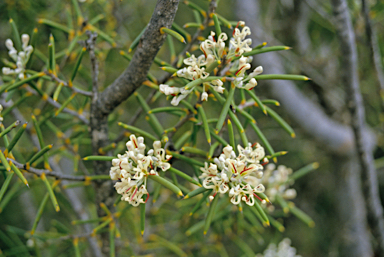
(74, 89)
(54, 174)
(374, 49)
(350, 80)
(57, 105)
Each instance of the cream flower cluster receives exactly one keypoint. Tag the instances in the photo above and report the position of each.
(20, 58)
(239, 176)
(284, 249)
(133, 168)
(275, 180)
(215, 50)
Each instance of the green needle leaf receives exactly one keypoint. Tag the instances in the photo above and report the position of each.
(138, 131)
(282, 77)
(225, 109)
(231, 135)
(50, 191)
(257, 101)
(152, 120)
(136, 41)
(217, 24)
(184, 176)
(9, 128)
(195, 192)
(19, 173)
(186, 159)
(211, 213)
(77, 65)
(38, 155)
(16, 35)
(301, 215)
(205, 122)
(99, 158)
(6, 184)
(281, 122)
(200, 202)
(142, 216)
(263, 139)
(54, 25)
(41, 209)
(166, 184)
(303, 171)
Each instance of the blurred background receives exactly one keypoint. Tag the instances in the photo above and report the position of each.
(331, 195)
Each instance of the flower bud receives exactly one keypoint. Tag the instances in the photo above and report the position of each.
(25, 40)
(22, 55)
(6, 71)
(204, 96)
(9, 44)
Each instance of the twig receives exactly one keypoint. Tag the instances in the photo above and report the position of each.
(90, 43)
(349, 66)
(54, 174)
(57, 105)
(374, 50)
(74, 89)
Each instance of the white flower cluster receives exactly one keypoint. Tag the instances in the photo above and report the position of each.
(215, 51)
(275, 180)
(284, 249)
(20, 58)
(240, 175)
(133, 168)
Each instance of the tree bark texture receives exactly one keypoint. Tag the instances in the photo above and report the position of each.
(350, 80)
(105, 102)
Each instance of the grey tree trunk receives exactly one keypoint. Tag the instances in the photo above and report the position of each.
(331, 135)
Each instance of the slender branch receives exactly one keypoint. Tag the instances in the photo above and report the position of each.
(374, 49)
(350, 80)
(57, 105)
(54, 174)
(74, 89)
